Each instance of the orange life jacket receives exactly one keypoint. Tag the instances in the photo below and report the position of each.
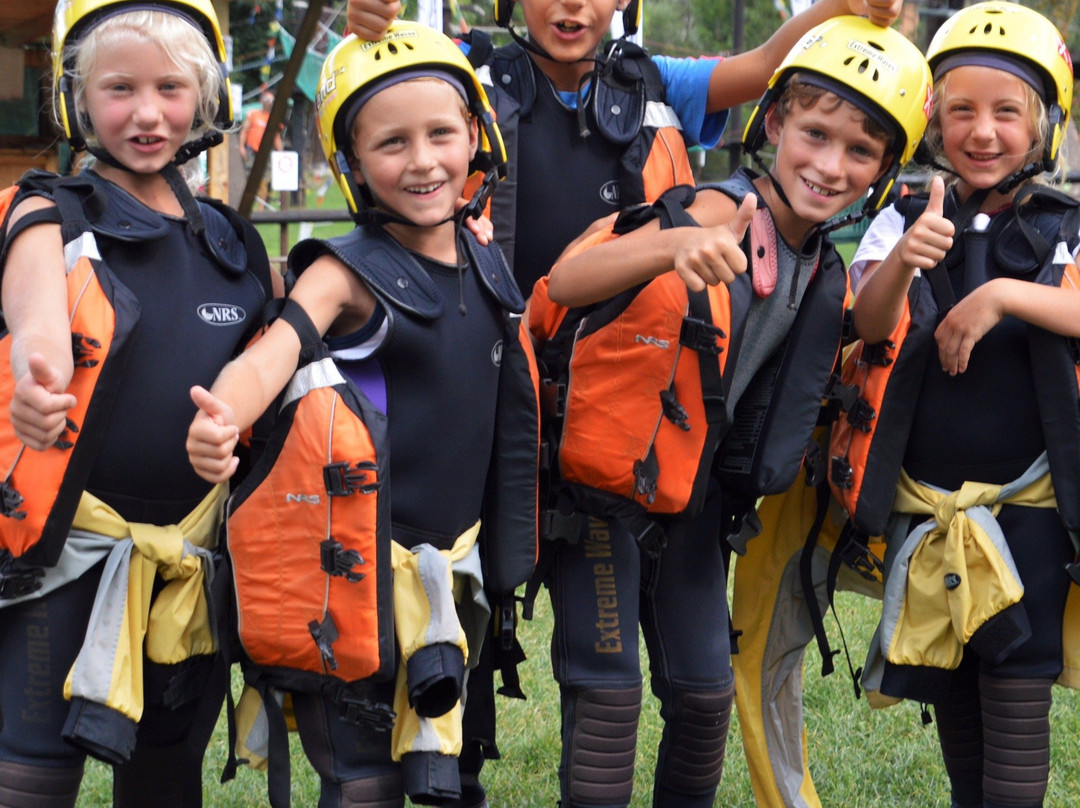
(41, 490)
(308, 530)
(641, 402)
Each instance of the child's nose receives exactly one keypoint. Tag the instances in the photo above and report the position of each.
(147, 111)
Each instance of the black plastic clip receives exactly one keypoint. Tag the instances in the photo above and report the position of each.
(357, 710)
(697, 335)
(338, 561)
(16, 579)
(342, 479)
(82, 347)
(842, 474)
(878, 353)
(325, 635)
(861, 414)
(10, 501)
(673, 410)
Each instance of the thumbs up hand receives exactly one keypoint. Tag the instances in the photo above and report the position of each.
(212, 437)
(925, 243)
(708, 256)
(39, 404)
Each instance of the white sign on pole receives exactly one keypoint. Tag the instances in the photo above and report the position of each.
(284, 171)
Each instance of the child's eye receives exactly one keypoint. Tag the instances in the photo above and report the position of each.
(815, 134)
(390, 142)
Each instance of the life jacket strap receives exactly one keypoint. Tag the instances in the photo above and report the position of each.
(17, 579)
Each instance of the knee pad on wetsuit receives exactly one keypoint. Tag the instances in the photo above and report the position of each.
(39, 786)
(384, 791)
(599, 742)
(1016, 739)
(691, 757)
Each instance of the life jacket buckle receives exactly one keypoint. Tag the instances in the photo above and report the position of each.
(553, 398)
(10, 500)
(878, 353)
(16, 579)
(814, 463)
(697, 335)
(81, 346)
(842, 473)
(645, 474)
(325, 635)
(556, 525)
(673, 410)
(507, 627)
(339, 562)
(341, 479)
(861, 414)
(357, 710)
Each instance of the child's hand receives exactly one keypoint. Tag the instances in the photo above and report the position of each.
(965, 324)
(369, 19)
(925, 243)
(880, 12)
(708, 256)
(212, 437)
(39, 404)
(480, 226)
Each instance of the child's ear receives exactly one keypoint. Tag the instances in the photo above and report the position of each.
(474, 137)
(621, 5)
(773, 125)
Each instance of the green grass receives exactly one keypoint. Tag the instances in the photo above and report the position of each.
(860, 758)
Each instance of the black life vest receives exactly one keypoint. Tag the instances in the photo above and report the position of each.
(622, 148)
(1036, 240)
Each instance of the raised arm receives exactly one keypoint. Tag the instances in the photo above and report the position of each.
(331, 295)
(742, 78)
(34, 303)
(603, 265)
(879, 302)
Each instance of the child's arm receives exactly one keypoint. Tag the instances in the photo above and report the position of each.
(1056, 309)
(879, 302)
(369, 19)
(34, 302)
(331, 295)
(701, 256)
(743, 78)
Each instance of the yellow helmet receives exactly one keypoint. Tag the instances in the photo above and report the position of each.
(1019, 40)
(877, 69)
(356, 65)
(74, 18)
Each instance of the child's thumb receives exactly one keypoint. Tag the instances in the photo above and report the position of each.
(743, 216)
(43, 373)
(936, 203)
(211, 405)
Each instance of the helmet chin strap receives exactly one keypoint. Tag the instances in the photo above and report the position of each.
(472, 210)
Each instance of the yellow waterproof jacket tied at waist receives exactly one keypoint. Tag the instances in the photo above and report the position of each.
(953, 575)
(106, 682)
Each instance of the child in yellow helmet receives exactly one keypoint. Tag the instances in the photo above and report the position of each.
(970, 293)
(119, 290)
(426, 321)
